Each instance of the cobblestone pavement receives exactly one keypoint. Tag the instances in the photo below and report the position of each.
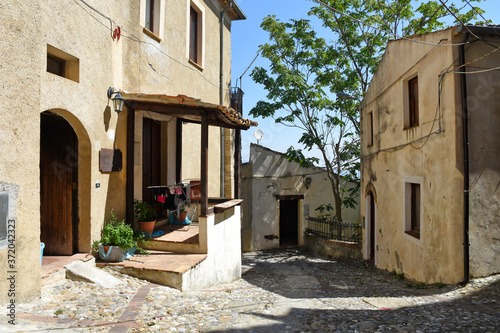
(280, 291)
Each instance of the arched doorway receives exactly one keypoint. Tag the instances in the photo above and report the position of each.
(58, 185)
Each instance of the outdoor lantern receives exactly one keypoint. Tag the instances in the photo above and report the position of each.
(118, 100)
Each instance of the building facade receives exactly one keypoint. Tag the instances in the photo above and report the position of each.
(429, 163)
(279, 196)
(68, 158)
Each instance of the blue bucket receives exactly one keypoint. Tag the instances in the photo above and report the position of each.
(42, 246)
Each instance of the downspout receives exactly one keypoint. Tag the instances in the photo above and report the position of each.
(465, 128)
(221, 94)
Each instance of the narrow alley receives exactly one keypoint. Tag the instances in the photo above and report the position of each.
(283, 290)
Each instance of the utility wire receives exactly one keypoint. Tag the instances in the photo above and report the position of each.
(137, 39)
(456, 18)
(379, 29)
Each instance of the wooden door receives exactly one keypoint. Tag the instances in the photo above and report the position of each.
(151, 157)
(289, 222)
(58, 186)
(372, 227)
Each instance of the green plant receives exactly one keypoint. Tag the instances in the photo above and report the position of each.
(115, 233)
(143, 211)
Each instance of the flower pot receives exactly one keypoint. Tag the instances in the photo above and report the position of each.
(115, 253)
(182, 217)
(147, 227)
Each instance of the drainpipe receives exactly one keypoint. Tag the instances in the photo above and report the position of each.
(465, 128)
(221, 94)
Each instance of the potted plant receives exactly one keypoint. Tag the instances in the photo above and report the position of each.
(145, 215)
(118, 241)
(182, 214)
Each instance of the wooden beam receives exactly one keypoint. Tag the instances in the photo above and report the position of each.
(237, 164)
(204, 165)
(129, 192)
(178, 152)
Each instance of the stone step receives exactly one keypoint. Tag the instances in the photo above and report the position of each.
(161, 267)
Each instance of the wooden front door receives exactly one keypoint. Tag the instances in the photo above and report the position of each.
(372, 228)
(151, 157)
(58, 186)
(289, 222)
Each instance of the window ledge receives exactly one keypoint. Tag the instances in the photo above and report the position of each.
(410, 127)
(195, 65)
(151, 34)
(413, 233)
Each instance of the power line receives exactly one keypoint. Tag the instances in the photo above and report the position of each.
(379, 29)
(139, 40)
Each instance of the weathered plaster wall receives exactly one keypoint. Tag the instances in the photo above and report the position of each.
(223, 241)
(483, 94)
(20, 68)
(135, 63)
(268, 174)
(435, 162)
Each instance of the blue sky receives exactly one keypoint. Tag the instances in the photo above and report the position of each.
(246, 37)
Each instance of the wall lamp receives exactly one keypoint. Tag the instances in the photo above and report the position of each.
(117, 99)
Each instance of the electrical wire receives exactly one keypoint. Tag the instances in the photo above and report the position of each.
(139, 40)
(456, 18)
(382, 30)
(480, 71)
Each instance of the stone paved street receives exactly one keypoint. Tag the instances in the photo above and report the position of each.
(280, 291)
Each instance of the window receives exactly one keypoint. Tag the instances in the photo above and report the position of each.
(193, 35)
(410, 104)
(55, 65)
(413, 208)
(62, 64)
(152, 18)
(369, 129)
(413, 102)
(150, 15)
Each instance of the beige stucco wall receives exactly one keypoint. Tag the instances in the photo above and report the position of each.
(483, 101)
(435, 163)
(268, 174)
(135, 63)
(20, 68)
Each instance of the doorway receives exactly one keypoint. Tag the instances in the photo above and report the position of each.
(289, 223)
(151, 161)
(370, 201)
(58, 185)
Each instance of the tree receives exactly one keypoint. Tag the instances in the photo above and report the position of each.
(306, 72)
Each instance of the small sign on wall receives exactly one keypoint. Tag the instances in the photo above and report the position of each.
(110, 160)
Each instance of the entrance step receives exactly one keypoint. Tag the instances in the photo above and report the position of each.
(176, 238)
(53, 266)
(80, 271)
(161, 267)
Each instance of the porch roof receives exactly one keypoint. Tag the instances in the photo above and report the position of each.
(188, 108)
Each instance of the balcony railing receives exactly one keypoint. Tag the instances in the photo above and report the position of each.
(331, 229)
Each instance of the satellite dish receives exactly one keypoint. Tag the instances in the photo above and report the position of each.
(258, 135)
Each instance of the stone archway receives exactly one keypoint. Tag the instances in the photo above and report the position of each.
(65, 166)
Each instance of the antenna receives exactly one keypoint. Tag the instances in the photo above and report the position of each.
(258, 135)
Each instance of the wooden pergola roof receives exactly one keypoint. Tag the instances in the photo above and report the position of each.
(189, 109)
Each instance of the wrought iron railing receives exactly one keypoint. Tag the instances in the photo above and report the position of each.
(331, 229)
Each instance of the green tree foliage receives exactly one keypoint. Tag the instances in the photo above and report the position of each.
(306, 72)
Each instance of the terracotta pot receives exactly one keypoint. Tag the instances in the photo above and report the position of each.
(182, 217)
(147, 227)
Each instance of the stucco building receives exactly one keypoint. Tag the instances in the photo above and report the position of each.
(430, 163)
(68, 158)
(279, 196)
